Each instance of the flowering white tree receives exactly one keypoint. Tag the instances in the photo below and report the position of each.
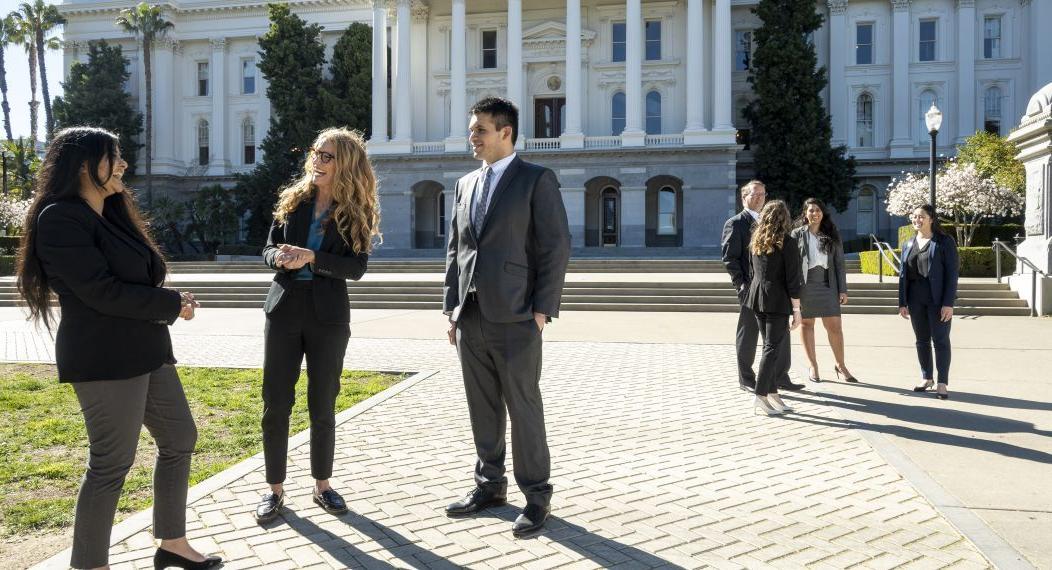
(962, 195)
(13, 213)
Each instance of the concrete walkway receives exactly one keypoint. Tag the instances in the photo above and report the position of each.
(657, 458)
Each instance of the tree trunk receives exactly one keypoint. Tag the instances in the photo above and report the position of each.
(3, 88)
(33, 103)
(146, 46)
(49, 121)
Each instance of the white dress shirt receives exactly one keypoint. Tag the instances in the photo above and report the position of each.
(498, 169)
(815, 256)
(755, 215)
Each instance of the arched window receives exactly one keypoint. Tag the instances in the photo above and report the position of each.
(865, 217)
(202, 142)
(927, 98)
(248, 135)
(653, 113)
(617, 113)
(666, 222)
(992, 111)
(864, 120)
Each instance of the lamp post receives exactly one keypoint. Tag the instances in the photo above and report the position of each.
(933, 120)
(4, 155)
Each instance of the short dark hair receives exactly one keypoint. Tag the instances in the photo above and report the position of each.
(503, 111)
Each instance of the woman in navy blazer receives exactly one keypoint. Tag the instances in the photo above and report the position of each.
(927, 290)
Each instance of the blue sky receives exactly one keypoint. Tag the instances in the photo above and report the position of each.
(17, 64)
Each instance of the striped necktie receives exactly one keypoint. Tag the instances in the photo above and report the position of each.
(482, 202)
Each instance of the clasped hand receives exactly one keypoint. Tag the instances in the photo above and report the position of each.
(187, 304)
(293, 257)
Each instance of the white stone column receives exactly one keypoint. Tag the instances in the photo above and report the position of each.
(573, 202)
(633, 216)
(838, 53)
(403, 115)
(379, 98)
(514, 79)
(694, 131)
(458, 120)
(218, 127)
(901, 141)
(722, 117)
(164, 123)
(966, 109)
(1040, 43)
(572, 137)
(634, 135)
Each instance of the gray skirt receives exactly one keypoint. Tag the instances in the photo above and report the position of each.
(818, 299)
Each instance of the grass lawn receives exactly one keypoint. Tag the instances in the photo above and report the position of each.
(43, 444)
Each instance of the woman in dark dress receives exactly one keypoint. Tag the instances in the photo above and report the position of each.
(927, 290)
(85, 241)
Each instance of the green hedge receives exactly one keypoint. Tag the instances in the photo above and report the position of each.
(984, 234)
(9, 244)
(975, 262)
(7, 265)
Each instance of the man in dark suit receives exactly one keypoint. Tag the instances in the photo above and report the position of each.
(509, 245)
(737, 233)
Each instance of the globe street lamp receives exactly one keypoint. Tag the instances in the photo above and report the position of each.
(4, 155)
(933, 120)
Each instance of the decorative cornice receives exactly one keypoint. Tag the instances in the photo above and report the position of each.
(900, 5)
(218, 44)
(837, 6)
(965, 4)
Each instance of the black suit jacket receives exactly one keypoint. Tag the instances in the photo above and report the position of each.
(519, 261)
(115, 314)
(776, 279)
(734, 246)
(334, 263)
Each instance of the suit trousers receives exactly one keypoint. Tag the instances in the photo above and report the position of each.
(746, 338)
(501, 363)
(292, 331)
(774, 360)
(929, 330)
(114, 413)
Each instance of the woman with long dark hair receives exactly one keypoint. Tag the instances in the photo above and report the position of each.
(774, 295)
(85, 241)
(323, 231)
(927, 290)
(825, 284)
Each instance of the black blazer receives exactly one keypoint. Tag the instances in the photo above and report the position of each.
(943, 271)
(776, 279)
(115, 314)
(334, 263)
(734, 246)
(519, 259)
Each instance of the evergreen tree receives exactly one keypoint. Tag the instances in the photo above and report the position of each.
(347, 97)
(791, 130)
(291, 59)
(94, 95)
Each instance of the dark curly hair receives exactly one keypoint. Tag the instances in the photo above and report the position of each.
(828, 234)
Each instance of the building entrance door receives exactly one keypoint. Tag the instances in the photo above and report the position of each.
(609, 209)
(548, 117)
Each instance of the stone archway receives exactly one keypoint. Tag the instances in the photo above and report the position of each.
(664, 211)
(602, 212)
(430, 215)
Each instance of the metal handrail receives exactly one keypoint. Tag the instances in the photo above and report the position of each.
(885, 249)
(999, 246)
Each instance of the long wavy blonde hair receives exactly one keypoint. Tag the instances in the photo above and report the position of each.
(771, 229)
(355, 204)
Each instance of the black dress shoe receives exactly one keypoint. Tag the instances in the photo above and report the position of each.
(269, 507)
(479, 498)
(164, 559)
(747, 385)
(531, 520)
(788, 385)
(331, 501)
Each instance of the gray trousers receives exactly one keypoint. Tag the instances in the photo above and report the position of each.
(501, 363)
(114, 413)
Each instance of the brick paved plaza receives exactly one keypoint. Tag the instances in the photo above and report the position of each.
(657, 462)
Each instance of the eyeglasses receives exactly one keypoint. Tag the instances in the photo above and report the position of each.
(324, 157)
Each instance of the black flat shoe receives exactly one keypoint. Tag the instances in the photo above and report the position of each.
(269, 507)
(847, 378)
(927, 385)
(164, 559)
(479, 498)
(331, 501)
(788, 385)
(747, 386)
(530, 521)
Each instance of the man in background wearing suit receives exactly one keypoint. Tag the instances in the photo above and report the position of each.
(509, 245)
(737, 233)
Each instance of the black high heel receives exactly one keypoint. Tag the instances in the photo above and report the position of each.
(847, 378)
(165, 559)
(942, 396)
(814, 379)
(927, 385)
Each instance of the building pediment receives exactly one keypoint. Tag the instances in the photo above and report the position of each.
(547, 42)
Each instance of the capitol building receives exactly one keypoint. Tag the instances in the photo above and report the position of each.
(636, 105)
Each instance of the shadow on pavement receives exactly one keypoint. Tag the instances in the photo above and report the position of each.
(966, 397)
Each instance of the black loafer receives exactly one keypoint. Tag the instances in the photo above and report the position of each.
(331, 501)
(165, 559)
(788, 385)
(530, 521)
(479, 498)
(748, 386)
(269, 507)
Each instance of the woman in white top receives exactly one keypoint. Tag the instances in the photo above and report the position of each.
(825, 284)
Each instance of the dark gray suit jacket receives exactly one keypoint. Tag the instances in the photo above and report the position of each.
(519, 260)
(835, 260)
(734, 247)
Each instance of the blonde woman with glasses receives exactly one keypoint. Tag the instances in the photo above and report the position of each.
(323, 231)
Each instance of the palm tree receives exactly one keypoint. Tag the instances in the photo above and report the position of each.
(148, 23)
(5, 27)
(21, 34)
(41, 18)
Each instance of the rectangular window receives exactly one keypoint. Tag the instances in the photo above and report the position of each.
(441, 214)
(248, 76)
(742, 50)
(863, 44)
(618, 42)
(653, 38)
(202, 155)
(489, 49)
(927, 40)
(202, 79)
(992, 37)
(250, 154)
